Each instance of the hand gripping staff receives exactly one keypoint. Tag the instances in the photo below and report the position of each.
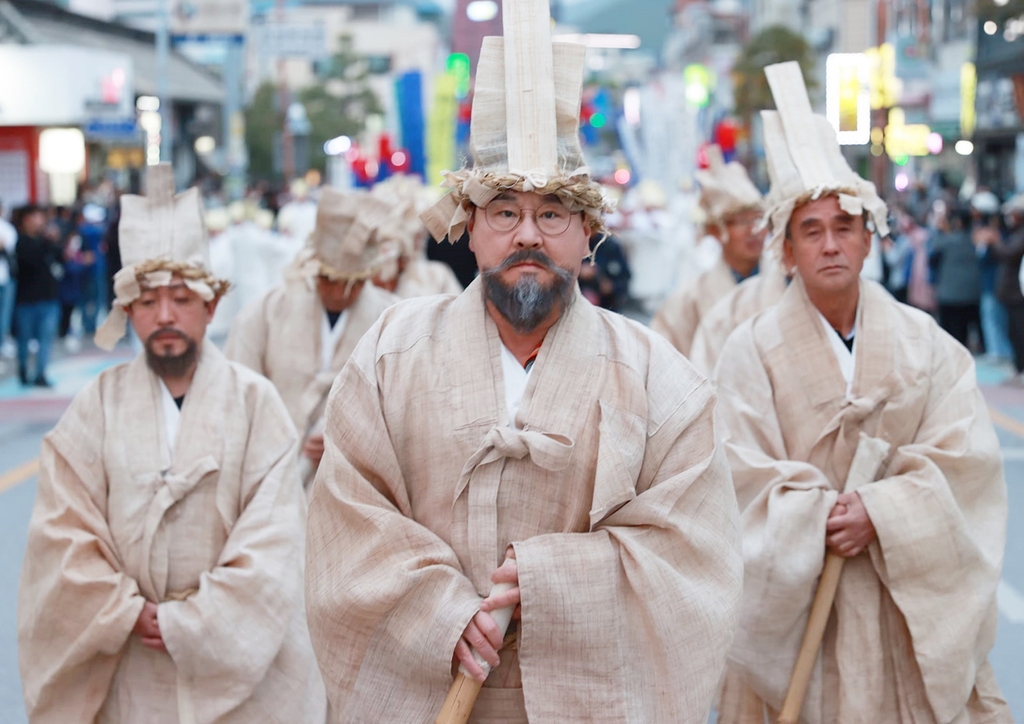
(465, 689)
(871, 453)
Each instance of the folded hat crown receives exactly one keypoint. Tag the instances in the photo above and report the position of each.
(162, 224)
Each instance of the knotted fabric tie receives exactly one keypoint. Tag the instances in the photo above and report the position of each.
(173, 487)
(479, 484)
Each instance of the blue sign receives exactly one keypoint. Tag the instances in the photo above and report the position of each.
(112, 129)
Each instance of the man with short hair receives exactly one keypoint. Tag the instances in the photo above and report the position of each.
(836, 369)
(162, 580)
(518, 435)
(732, 205)
(300, 334)
(40, 264)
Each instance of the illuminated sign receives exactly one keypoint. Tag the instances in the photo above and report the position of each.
(968, 91)
(885, 86)
(902, 140)
(848, 97)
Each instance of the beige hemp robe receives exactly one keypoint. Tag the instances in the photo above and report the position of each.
(613, 491)
(679, 316)
(279, 337)
(423, 277)
(915, 616)
(747, 299)
(214, 534)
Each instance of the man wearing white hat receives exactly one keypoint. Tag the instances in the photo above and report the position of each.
(162, 580)
(732, 206)
(855, 427)
(300, 333)
(411, 274)
(518, 435)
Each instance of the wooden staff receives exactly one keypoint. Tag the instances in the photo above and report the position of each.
(464, 690)
(871, 452)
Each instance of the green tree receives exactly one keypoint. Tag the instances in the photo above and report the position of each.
(262, 123)
(336, 105)
(339, 104)
(774, 44)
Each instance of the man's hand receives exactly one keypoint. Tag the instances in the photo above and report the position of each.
(148, 627)
(849, 529)
(314, 449)
(483, 636)
(508, 572)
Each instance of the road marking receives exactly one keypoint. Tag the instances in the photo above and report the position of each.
(19, 475)
(1011, 602)
(1006, 422)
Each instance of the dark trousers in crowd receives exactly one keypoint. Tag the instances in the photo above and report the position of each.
(958, 319)
(39, 321)
(1015, 330)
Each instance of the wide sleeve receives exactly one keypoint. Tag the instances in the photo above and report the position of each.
(631, 621)
(386, 598)
(247, 340)
(225, 637)
(76, 606)
(940, 515)
(784, 505)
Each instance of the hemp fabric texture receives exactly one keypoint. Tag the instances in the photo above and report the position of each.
(679, 316)
(915, 616)
(611, 487)
(213, 533)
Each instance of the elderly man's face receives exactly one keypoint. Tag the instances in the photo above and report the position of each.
(826, 245)
(529, 249)
(171, 321)
(337, 296)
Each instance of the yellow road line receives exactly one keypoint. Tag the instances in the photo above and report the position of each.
(19, 475)
(1006, 422)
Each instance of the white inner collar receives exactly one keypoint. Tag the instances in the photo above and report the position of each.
(172, 420)
(515, 378)
(845, 357)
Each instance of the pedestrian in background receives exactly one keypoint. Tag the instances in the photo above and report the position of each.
(986, 234)
(957, 277)
(37, 309)
(1008, 291)
(8, 242)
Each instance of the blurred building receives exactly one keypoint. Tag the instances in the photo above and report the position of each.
(95, 81)
(999, 130)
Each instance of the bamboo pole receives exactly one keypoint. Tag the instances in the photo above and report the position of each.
(871, 453)
(458, 705)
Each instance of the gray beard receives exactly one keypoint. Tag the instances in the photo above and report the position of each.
(171, 366)
(527, 303)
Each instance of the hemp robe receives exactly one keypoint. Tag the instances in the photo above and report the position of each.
(915, 616)
(423, 277)
(679, 316)
(612, 488)
(747, 299)
(279, 336)
(213, 532)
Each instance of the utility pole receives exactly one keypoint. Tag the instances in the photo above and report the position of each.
(163, 82)
(284, 101)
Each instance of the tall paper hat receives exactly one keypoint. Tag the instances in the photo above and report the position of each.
(524, 130)
(804, 160)
(161, 235)
(725, 188)
(355, 236)
(407, 198)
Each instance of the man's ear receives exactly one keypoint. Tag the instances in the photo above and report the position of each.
(211, 308)
(470, 224)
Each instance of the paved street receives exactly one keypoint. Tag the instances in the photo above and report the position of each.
(25, 418)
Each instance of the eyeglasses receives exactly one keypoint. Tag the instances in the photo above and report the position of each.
(551, 218)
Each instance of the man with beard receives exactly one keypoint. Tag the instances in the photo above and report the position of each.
(855, 427)
(518, 435)
(300, 334)
(162, 580)
(733, 206)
